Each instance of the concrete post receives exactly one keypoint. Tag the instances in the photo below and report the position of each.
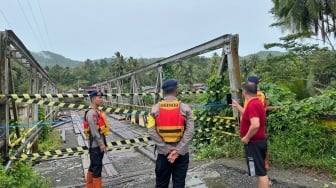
(231, 52)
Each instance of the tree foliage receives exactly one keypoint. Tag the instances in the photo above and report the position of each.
(298, 136)
(312, 17)
(188, 71)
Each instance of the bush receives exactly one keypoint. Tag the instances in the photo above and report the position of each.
(220, 145)
(215, 143)
(50, 141)
(21, 176)
(297, 137)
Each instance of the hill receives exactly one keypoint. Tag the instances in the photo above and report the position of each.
(46, 58)
(50, 59)
(264, 54)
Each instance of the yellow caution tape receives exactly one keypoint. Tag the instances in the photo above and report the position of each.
(79, 106)
(62, 155)
(74, 150)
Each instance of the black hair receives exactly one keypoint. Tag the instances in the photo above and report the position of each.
(250, 88)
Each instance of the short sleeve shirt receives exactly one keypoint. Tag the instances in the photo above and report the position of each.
(254, 109)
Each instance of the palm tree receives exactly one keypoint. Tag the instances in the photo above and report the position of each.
(133, 63)
(214, 63)
(120, 65)
(307, 16)
(180, 71)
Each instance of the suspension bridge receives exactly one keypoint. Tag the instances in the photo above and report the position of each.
(130, 158)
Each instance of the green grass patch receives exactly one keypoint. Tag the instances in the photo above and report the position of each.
(50, 141)
(220, 146)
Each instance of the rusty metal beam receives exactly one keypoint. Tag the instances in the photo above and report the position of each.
(197, 50)
(16, 43)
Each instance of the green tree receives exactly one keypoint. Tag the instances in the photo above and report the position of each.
(168, 72)
(323, 65)
(312, 17)
(214, 64)
(120, 66)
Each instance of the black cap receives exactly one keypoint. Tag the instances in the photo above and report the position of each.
(253, 79)
(95, 93)
(169, 85)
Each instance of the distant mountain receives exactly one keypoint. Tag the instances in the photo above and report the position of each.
(50, 59)
(46, 58)
(264, 54)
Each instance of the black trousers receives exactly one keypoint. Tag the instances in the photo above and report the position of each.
(178, 170)
(96, 161)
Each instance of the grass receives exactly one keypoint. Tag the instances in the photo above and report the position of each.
(50, 142)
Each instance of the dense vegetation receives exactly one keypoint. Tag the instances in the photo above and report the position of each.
(21, 174)
(91, 72)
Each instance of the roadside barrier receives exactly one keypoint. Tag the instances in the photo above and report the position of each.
(229, 121)
(108, 109)
(114, 146)
(63, 155)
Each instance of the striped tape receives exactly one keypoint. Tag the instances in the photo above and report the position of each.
(112, 110)
(81, 149)
(63, 155)
(79, 106)
(221, 129)
(128, 104)
(43, 96)
(112, 146)
(227, 120)
(68, 95)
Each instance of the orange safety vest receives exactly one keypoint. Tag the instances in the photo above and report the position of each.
(261, 96)
(103, 125)
(170, 123)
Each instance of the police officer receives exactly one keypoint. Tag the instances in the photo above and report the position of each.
(98, 128)
(171, 127)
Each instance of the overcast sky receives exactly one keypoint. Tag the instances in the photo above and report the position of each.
(93, 29)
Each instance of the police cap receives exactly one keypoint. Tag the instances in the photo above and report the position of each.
(253, 79)
(169, 85)
(95, 93)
